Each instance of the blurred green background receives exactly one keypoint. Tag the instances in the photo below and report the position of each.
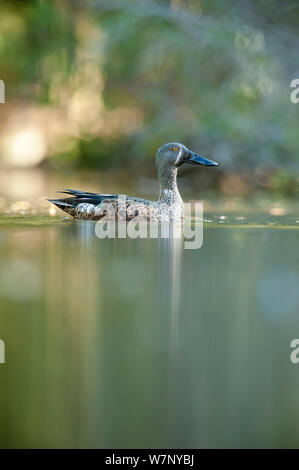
(101, 85)
(122, 343)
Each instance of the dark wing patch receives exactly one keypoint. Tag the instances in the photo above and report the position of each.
(70, 204)
(78, 194)
(90, 198)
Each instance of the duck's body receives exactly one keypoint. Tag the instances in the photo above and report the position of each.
(94, 206)
(169, 207)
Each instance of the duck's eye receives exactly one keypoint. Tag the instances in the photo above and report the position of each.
(175, 149)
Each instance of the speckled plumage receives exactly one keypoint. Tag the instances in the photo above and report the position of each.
(169, 207)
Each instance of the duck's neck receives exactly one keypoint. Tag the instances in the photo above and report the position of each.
(169, 193)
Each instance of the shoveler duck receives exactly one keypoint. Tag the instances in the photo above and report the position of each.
(169, 207)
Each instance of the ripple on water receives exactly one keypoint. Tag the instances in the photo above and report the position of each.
(40, 211)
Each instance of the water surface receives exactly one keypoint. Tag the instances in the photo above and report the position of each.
(141, 343)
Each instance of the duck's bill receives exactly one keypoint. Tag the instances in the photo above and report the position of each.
(196, 159)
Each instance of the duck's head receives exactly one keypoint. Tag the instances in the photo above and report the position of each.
(173, 155)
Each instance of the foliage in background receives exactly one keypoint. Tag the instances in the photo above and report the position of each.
(106, 82)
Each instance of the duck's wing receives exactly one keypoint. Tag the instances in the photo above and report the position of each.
(89, 201)
(70, 204)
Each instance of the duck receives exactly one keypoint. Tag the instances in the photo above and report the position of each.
(169, 207)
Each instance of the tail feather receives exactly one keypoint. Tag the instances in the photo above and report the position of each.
(70, 204)
(84, 194)
(76, 193)
(60, 202)
(65, 205)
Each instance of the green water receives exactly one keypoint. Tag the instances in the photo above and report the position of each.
(121, 343)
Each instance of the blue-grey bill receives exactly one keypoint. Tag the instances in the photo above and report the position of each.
(196, 159)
